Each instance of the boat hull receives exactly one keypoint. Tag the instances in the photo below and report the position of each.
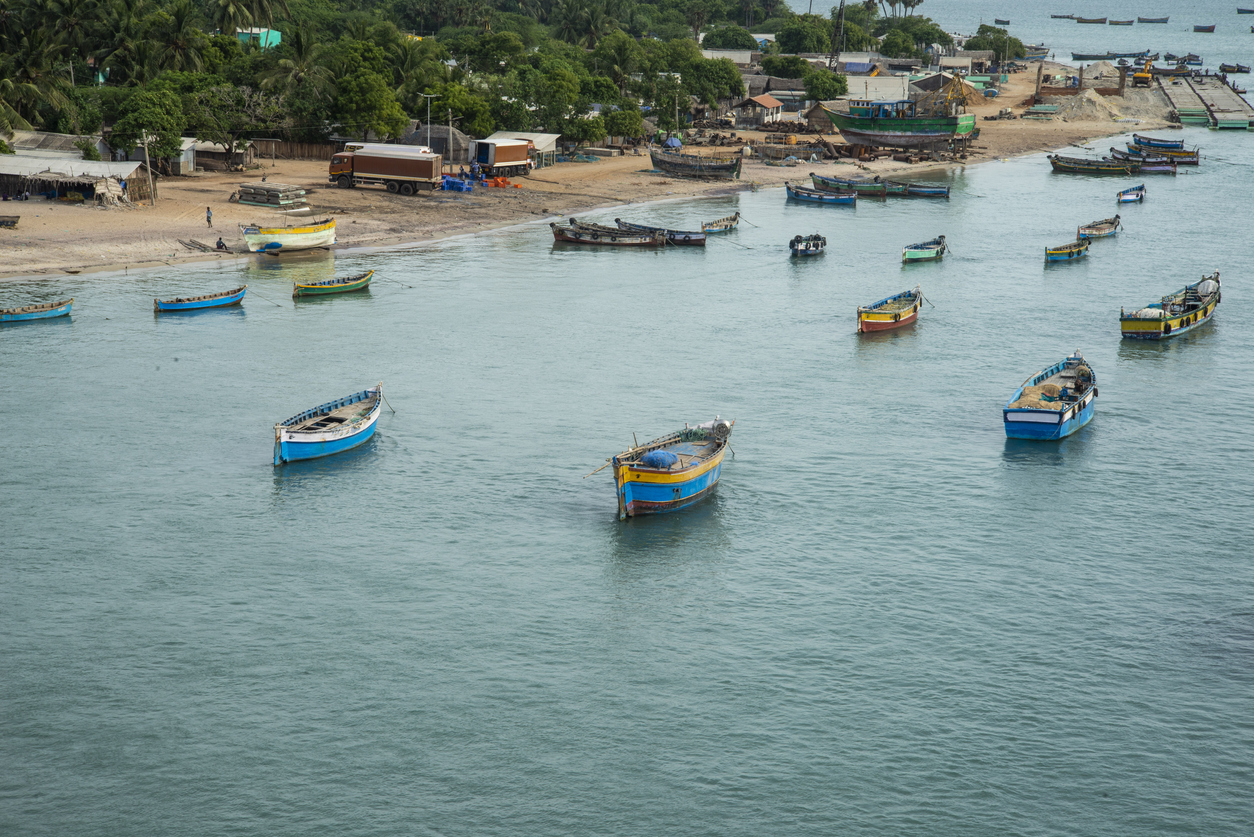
(645, 491)
(575, 235)
(693, 165)
(922, 255)
(1066, 254)
(294, 446)
(1048, 425)
(293, 238)
(821, 196)
(359, 283)
(200, 304)
(908, 132)
(22, 315)
(1076, 166)
(682, 238)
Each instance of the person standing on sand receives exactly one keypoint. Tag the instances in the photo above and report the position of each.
(209, 217)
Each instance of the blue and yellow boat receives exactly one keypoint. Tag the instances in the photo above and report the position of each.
(196, 303)
(36, 312)
(1053, 403)
(1175, 314)
(1067, 252)
(671, 472)
(330, 428)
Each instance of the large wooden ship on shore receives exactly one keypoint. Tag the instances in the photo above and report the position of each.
(931, 122)
(697, 165)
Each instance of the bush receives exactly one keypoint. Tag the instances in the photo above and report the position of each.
(897, 44)
(803, 36)
(90, 152)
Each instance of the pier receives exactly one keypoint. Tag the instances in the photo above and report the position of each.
(1207, 100)
(1188, 106)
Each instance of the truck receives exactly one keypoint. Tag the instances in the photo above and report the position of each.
(398, 168)
(501, 157)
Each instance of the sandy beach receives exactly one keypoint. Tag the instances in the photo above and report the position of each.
(53, 239)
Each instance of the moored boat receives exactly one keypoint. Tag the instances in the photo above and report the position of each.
(864, 187)
(45, 311)
(801, 193)
(1174, 314)
(687, 238)
(333, 286)
(926, 190)
(194, 303)
(1147, 165)
(891, 312)
(306, 237)
(671, 472)
(1178, 70)
(1104, 228)
(1234, 68)
(1101, 20)
(1121, 22)
(721, 225)
(927, 251)
(1200, 28)
(329, 428)
(1084, 165)
(1053, 403)
(1001, 22)
(1241, 11)
(1180, 156)
(577, 233)
(1153, 19)
(1151, 142)
(1067, 252)
(808, 245)
(697, 165)
(1134, 195)
(1063, 17)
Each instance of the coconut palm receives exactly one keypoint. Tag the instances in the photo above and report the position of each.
(301, 69)
(231, 15)
(13, 91)
(38, 73)
(265, 12)
(181, 40)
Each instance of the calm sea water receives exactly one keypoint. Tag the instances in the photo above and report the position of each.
(890, 619)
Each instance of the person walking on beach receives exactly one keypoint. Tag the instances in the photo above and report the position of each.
(209, 217)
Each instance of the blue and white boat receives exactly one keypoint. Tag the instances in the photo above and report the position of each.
(330, 428)
(195, 303)
(810, 245)
(801, 193)
(673, 471)
(1134, 195)
(36, 312)
(1053, 403)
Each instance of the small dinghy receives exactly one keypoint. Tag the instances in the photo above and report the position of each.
(1053, 403)
(926, 190)
(1173, 315)
(801, 193)
(334, 286)
(46, 311)
(1104, 228)
(195, 303)
(1067, 252)
(331, 428)
(876, 188)
(1134, 195)
(722, 225)
(672, 471)
(891, 312)
(927, 251)
(809, 245)
(689, 238)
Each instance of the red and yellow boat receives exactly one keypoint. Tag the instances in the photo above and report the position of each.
(891, 312)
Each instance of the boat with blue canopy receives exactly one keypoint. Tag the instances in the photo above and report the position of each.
(196, 303)
(1151, 142)
(673, 471)
(329, 428)
(45, 311)
(1134, 195)
(1053, 403)
(801, 193)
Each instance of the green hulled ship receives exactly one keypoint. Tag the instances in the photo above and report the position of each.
(898, 124)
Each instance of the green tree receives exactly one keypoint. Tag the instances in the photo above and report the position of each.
(231, 15)
(701, 12)
(300, 67)
(89, 149)
(730, 37)
(159, 114)
(229, 114)
(618, 56)
(364, 103)
(785, 66)
(824, 84)
(628, 122)
(897, 44)
(807, 33)
(182, 42)
(469, 110)
(999, 41)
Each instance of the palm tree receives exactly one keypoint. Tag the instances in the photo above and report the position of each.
(301, 69)
(13, 91)
(37, 73)
(414, 65)
(264, 12)
(181, 40)
(231, 15)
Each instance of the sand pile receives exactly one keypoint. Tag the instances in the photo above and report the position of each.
(1089, 106)
(1101, 69)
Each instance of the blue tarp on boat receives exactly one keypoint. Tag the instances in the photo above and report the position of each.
(658, 459)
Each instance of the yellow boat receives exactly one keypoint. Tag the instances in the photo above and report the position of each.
(279, 239)
(1174, 314)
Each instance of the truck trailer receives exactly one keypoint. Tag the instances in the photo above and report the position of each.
(398, 169)
(501, 157)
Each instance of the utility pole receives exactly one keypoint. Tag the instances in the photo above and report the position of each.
(152, 188)
(428, 97)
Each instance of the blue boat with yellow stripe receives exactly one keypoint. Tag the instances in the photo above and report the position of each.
(673, 471)
(1053, 403)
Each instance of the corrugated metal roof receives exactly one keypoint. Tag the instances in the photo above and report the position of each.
(25, 166)
(859, 67)
(543, 142)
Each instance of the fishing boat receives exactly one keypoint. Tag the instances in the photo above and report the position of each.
(1140, 56)
(891, 312)
(864, 187)
(1104, 228)
(900, 124)
(1178, 70)
(1092, 56)
(1134, 195)
(1174, 314)
(801, 193)
(722, 225)
(1067, 252)
(576, 233)
(1121, 22)
(1199, 28)
(1035, 53)
(809, 245)
(998, 21)
(1180, 156)
(671, 472)
(927, 251)
(1233, 68)
(271, 239)
(1063, 17)
(330, 428)
(9, 222)
(36, 312)
(1150, 165)
(697, 165)
(1084, 165)
(1151, 160)
(194, 303)
(686, 238)
(1193, 60)
(333, 286)
(1245, 11)
(1100, 20)
(1153, 19)
(1053, 403)
(926, 190)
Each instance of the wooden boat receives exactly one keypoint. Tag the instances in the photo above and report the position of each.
(687, 238)
(1153, 19)
(898, 124)
(1101, 20)
(1067, 252)
(1053, 403)
(722, 225)
(1157, 165)
(809, 245)
(1121, 22)
(1092, 56)
(193, 303)
(330, 428)
(1174, 314)
(1032, 53)
(697, 165)
(1178, 70)
(1245, 11)
(1140, 56)
(333, 286)
(801, 193)
(36, 312)
(1084, 165)
(1233, 68)
(270, 239)
(1104, 228)
(671, 472)
(9, 222)
(926, 190)
(1199, 28)
(576, 233)
(891, 312)
(1180, 156)
(999, 22)
(862, 186)
(1193, 60)
(1151, 142)
(1134, 195)
(1063, 17)
(927, 251)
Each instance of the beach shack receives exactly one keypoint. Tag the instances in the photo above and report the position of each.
(73, 181)
(213, 156)
(757, 110)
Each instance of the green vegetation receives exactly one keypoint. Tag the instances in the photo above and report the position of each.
(999, 41)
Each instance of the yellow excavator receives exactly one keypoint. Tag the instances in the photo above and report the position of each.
(1143, 77)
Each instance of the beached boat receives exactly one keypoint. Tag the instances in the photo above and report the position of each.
(926, 190)
(333, 286)
(330, 428)
(1180, 156)
(891, 312)
(998, 21)
(194, 303)
(927, 251)
(9, 222)
(1053, 403)
(864, 187)
(1104, 228)
(1153, 19)
(1084, 165)
(1174, 314)
(1151, 142)
(1035, 53)
(801, 193)
(722, 225)
(898, 124)
(1100, 20)
(1067, 252)
(697, 165)
(272, 239)
(1233, 68)
(1134, 195)
(671, 472)
(1092, 56)
(36, 312)
(808, 245)
(687, 238)
(577, 233)
(1199, 28)
(1121, 22)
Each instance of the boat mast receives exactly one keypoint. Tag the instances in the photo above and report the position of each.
(838, 39)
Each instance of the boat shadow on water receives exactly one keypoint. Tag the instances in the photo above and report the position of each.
(671, 538)
(184, 314)
(1135, 350)
(1031, 452)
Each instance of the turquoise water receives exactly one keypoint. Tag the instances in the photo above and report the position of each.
(889, 620)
